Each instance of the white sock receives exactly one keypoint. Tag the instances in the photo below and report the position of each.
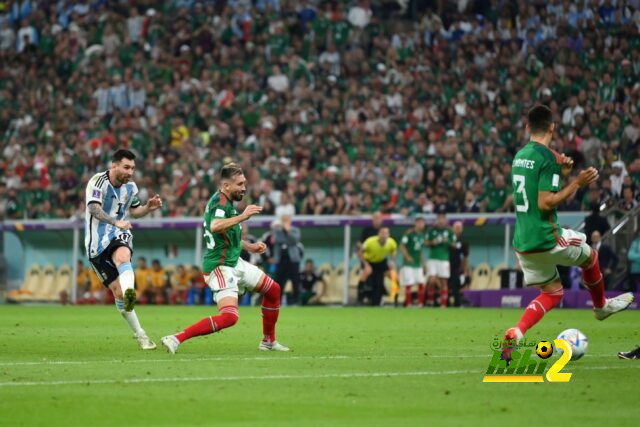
(126, 277)
(130, 317)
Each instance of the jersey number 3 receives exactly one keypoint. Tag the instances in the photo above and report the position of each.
(519, 180)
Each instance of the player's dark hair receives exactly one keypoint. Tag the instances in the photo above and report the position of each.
(540, 119)
(230, 170)
(122, 154)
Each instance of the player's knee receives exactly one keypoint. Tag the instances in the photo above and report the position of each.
(593, 258)
(121, 255)
(228, 317)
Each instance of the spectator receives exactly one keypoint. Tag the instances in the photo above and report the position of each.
(286, 257)
(634, 265)
(143, 277)
(309, 281)
(595, 222)
(159, 285)
(181, 282)
(608, 258)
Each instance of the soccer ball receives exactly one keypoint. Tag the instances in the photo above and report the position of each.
(544, 349)
(577, 340)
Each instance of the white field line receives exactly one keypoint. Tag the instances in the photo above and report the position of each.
(266, 377)
(256, 358)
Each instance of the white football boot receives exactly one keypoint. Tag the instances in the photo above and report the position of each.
(272, 346)
(144, 341)
(613, 305)
(171, 343)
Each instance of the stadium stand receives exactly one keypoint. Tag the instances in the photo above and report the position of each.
(344, 107)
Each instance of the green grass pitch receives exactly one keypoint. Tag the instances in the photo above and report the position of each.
(67, 366)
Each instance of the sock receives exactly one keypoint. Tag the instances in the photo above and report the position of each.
(431, 294)
(408, 300)
(421, 294)
(228, 317)
(129, 316)
(270, 308)
(538, 308)
(444, 296)
(126, 277)
(593, 281)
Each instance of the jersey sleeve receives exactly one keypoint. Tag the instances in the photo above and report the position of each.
(95, 190)
(549, 177)
(393, 247)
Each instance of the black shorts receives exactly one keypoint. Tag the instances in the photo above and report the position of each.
(103, 265)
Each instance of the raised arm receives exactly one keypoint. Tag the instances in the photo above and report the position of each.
(548, 200)
(222, 224)
(141, 210)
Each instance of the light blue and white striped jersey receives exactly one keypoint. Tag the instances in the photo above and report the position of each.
(115, 202)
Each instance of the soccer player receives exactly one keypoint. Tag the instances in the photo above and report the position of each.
(439, 239)
(412, 272)
(108, 238)
(225, 272)
(375, 251)
(539, 242)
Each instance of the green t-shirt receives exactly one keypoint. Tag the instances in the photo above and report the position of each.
(534, 169)
(496, 198)
(414, 242)
(444, 237)
(221, 248)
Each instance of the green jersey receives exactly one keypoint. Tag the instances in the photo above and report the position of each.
(222, 248)
(414, 242)
(535, 168)
(444, 238)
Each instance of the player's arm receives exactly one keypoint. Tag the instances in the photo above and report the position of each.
(95, 209)
(256, 248)
(403, 249)
(220, 225)
(138, 210)
(549, 200)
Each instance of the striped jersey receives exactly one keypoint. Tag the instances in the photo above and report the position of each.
(115, 202)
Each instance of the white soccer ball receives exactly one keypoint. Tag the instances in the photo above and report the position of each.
(577, 340)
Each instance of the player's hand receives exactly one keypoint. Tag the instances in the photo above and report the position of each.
(258, 248)
(154, 203)
(587, 176)
(566, 163)
(251, 210)
(123, 225)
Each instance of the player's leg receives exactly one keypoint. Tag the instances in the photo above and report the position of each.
(406, 281)
(432, 280)
(121, 258)
(109, 275)
(363, 281)
(539, 271)
(578, 253)
(224, 284)
(443, 278)
(421, 285)
(252, 279)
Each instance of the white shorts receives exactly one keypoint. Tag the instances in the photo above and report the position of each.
(438, 268)
(230, 281)
(410, 276)
(539, 268)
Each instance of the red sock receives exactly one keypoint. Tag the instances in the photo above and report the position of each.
(228, 317)
(421, 294)
(431, 294)
(444, 297)
(538, 308)
(593, 281)
(270, 308)
(408, 300)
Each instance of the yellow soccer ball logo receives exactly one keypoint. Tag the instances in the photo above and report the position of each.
(544, 349)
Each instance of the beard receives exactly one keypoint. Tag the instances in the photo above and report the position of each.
(237, 196)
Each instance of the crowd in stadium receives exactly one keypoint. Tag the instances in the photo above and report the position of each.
(331, 107)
